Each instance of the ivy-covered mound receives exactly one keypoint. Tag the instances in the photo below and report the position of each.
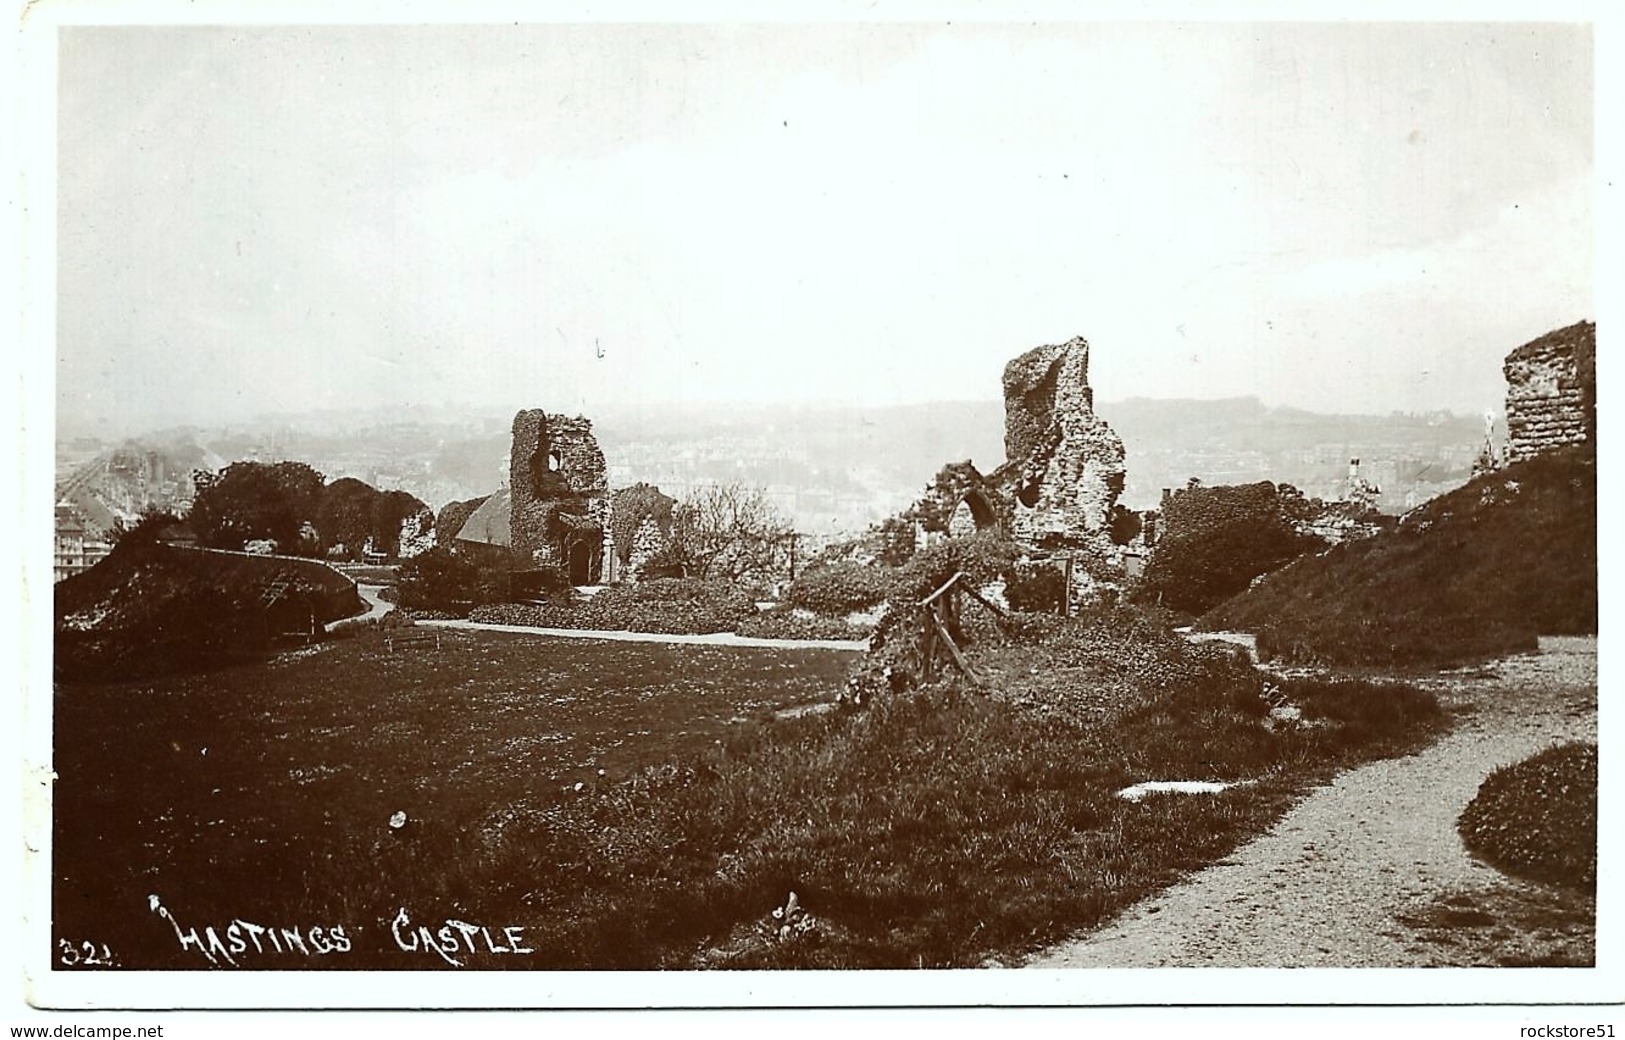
(1216, 540)
(1538, 818)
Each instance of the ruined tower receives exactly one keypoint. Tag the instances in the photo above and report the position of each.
(560, 494)
(1065, 464)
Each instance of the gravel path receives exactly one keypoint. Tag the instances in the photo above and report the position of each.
(1334, 882)
(377, 607)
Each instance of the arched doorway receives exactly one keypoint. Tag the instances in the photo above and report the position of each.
(581, 562)
(973, 514)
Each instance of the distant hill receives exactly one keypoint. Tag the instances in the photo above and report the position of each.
(1477, 572)
(865, 463)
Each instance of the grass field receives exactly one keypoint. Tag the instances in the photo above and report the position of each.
(261, 792)
(941, 828)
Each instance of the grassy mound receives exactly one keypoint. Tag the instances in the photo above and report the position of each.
(1538, 818)
(1475, 573)
(152, 609)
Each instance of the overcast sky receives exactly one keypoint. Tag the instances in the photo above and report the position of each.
(1352, 218)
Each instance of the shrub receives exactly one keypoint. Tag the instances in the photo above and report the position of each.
(838, 589)
(666, 562)
(787, 624)
(454, 582)
(1538, 818)
(547, 582)
(984, 558)
(675, 606)
(525, 615)
(1215, 541)
(1035, 588)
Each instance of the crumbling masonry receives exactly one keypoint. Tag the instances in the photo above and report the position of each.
(1056, 493)
(1065, 464)
(1552, 392)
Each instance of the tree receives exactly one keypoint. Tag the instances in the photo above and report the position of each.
(1126, 525)
(728, 531)
(256, 500)
(345, 516)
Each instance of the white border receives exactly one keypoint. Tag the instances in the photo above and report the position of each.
(1166, 988)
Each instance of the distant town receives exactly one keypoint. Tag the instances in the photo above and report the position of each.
(832, 472)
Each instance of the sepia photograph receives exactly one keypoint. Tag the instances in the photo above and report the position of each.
(849, 511)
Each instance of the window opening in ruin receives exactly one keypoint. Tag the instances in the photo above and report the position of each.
(553, 461)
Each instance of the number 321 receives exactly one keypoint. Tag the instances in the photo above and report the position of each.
(86, 953)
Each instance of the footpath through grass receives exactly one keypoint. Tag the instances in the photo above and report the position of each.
(941, 828)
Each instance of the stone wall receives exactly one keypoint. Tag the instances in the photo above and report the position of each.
(640, 526)
(417, 534)
(1065, 464)
(957, 495)
(648, 541)
(1552, 392)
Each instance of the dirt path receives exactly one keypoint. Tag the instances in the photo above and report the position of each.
(1369, 871)
(377, 607)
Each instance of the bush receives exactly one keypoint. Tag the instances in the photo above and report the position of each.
(454, 582)
(786, 624)
(673, 606)
(525, 615)
(1215, 541)
(1035, 588)
(1538, 818)
(838, 589)
(547, 582)
(983, 557)
(665, 562)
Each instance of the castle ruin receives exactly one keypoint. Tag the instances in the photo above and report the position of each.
(1057, 491)
(1065, 463)
(1552, 392)
(559, 495)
